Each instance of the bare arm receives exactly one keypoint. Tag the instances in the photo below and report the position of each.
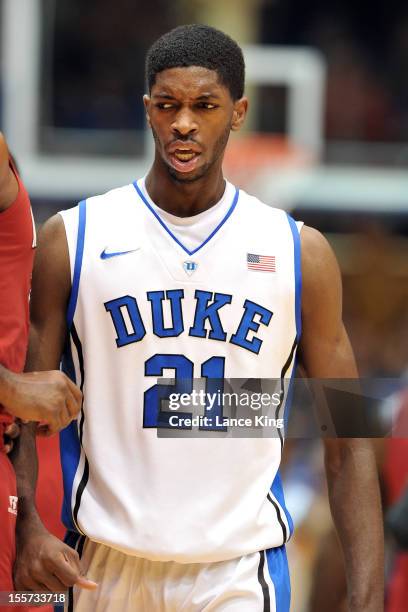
(50, 396)
(43, 560)
(40, 396)
(50, 290)
(325, 352)
(8, 182)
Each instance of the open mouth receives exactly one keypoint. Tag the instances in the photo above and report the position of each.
(184, 160)
(184, 155)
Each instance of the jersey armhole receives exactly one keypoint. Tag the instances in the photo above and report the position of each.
(76, 276)
(295, 229)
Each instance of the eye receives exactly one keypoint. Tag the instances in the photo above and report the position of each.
(164, 105)
(207, 105)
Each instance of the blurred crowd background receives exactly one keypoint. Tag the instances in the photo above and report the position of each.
(89, 83)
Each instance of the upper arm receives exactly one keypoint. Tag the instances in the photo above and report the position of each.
(51, 288)
(8, 182)
(325, 350)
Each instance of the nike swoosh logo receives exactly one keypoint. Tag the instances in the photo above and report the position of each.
(105, 255)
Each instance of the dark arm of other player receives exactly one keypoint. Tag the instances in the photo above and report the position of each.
(45, 396)
(325, 352)
(42, 560)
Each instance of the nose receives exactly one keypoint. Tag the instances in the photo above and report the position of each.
(185, 123)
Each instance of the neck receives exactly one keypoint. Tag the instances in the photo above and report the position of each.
(184, 199)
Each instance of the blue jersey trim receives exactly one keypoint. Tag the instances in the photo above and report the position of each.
(277, 492)
(164, 226)
(70, 449)
(298, 276)
(72, 538)
(279, 572)
(78, 263)
(289, 395)
(76, 541)
(289, 398)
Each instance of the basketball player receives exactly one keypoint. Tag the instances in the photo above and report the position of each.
(48, 397)
(181, 274)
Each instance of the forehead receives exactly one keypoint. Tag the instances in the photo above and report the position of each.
(192, 81)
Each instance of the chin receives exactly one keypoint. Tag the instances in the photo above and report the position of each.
(179, 177)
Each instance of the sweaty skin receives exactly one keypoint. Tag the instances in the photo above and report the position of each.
(190, 113)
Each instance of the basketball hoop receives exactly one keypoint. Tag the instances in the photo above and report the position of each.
(253, 154)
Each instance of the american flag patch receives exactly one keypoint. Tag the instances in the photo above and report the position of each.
(264, 263)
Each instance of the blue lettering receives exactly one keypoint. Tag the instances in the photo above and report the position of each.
(247, 324)
(156, 298)
(205, 310)
(208, 305)
(114, 307)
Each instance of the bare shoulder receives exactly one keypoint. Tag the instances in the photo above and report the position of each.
(51, 263)
(321, 285)
(52, 242)
(325, 349)
(53, 230)
(316, 251)
(51, 287)
(320, 270)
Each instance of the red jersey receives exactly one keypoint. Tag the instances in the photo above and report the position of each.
(396, 481)
(17, 242)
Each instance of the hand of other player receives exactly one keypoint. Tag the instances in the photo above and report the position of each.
(11, 432)
(47, 397)
(43, 562)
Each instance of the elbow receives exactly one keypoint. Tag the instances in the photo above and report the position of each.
(345, 451)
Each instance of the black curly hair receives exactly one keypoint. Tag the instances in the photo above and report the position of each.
(198, 45)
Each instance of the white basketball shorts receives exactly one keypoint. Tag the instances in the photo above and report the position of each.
(258, 582)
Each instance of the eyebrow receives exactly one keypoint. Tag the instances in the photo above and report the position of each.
(203, 96)
(163, 95)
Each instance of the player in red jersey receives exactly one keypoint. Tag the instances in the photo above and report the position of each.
(47, 397)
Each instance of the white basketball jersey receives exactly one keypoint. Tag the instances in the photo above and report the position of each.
(143, 307)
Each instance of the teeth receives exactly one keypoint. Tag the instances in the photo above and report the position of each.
(184, 156)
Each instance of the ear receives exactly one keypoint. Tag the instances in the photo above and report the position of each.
(239, 113)
(147, 101)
